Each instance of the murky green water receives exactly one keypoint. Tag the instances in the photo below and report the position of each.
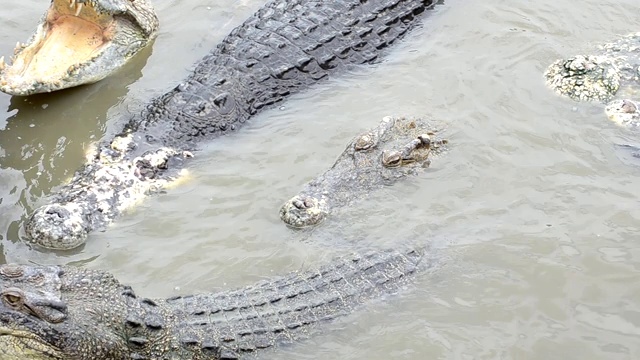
(531, 214)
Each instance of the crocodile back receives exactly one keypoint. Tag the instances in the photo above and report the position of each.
(283, 48)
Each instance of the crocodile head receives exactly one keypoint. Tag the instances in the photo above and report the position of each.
(584, 78)
(397, 147)
(52, 312)
(301, 211)
(78, 42)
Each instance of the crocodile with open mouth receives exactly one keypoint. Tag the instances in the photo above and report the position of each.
(287, 46)
(396, 148)
(78, 42)
(64, 312)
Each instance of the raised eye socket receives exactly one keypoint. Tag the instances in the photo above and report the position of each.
(628, 107)
(12, 271)
(12, 299)
(391, 159)
(364, 142)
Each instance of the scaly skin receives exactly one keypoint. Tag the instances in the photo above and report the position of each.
(607, 77)
(284, 48)
(61, 312)
(79, 42)
(396, 148)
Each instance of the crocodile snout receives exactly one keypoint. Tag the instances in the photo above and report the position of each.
(57, 226)
(302, 211)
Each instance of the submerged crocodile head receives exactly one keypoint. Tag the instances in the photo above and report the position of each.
(52, 312)
(584, 78)
(610, 76)
(115, 181)
(78, 42)
(394, 149)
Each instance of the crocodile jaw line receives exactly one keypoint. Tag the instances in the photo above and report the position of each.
(70, 36)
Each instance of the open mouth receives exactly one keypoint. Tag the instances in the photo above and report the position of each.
(78, 42)
(20, 345)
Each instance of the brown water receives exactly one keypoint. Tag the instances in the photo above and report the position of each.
(530, 215)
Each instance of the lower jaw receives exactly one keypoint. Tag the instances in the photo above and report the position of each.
(14, 347)
(63, 44)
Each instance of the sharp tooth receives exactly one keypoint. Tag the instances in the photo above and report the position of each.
(78, 8)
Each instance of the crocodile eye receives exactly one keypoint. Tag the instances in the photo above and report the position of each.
(12, 299)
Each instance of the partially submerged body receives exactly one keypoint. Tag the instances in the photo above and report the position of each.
(396, 148)
(624, 112)
(612, 76)
(78, 42)
(115, 180)
(64, 312)
(287, 46)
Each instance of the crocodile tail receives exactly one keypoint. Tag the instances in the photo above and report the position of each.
(287, 309)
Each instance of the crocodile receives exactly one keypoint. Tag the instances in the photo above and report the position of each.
(78, 42)
(611, 76)
(396, 148)
(285, 47)
(65, 312)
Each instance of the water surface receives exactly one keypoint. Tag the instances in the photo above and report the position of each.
(530, 216)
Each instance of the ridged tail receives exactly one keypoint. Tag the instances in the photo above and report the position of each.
(243, 321)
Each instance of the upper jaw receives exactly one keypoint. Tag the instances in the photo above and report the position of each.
(78, 42)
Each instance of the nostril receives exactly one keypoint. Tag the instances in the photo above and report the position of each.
(299, 204)
(55, 212)
(303, 203)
